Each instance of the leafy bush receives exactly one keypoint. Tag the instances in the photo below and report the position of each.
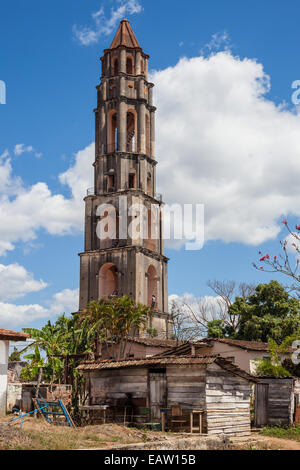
(266, 367)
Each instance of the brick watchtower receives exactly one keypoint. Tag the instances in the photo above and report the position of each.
(125, 175)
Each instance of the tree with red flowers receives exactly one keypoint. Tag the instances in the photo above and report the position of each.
(283, 263)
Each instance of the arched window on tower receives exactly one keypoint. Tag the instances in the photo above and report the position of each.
(131, 141)
(112, 132)
(152, 287)
(149, 184)
(115, 67)
(151, 235)
(108, 281)
(111, 181)
(147, 135)
(129, 66)
(132, 179)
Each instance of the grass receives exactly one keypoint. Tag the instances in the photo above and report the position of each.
(38, 435)
(284, 432)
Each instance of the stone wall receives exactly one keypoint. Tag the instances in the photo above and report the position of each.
(181, 443)
(14, 370)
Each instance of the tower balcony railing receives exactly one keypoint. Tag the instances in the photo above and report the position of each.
(111, 148)
(91, 192)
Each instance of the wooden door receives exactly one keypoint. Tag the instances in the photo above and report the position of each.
(261, 404)
(158, 393)
(296, 416)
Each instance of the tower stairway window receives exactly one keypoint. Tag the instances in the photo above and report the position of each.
(116, 67)
(147, 135)
(113, 132)
(130, 132)
(111, 182)
(149, 185)
(129, 66)
(152, 287)
(132, 180)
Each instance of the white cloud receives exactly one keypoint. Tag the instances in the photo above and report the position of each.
(292, 245)
(104, 25)
(22, 148)
(219, 41)
(211, 306)
(80, 176)
(20, 316)
(65, 301)
(25, 210)
(222, 142)
(16, 281)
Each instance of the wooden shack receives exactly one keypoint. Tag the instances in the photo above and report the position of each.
(211, 384)
(277, 401)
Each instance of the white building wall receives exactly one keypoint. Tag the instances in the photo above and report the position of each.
(4, 348)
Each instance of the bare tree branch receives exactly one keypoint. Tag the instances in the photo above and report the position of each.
(193, 315)
(281, 263)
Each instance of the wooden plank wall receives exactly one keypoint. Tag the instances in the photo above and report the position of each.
(114, 384)
(280, 400)
(227, 402)
(186, 386)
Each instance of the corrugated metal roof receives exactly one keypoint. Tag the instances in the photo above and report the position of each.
(93, 365)
(164, 361)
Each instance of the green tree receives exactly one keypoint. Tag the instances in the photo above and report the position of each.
(48, 340)
(268, 313)
(294, 369)
(58, 349)
(31, 372)
(112, 321)
(216, 329)
(274, 366)
(15, 355)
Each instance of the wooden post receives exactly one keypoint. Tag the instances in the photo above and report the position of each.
(38, 388)
(191, 422)
(163, 421)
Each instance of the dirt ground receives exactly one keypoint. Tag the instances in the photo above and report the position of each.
(36, 434)
(259, 442)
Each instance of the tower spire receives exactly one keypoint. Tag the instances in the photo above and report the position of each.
(125, 37)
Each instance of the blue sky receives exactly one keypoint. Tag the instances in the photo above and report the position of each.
(51, 78)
